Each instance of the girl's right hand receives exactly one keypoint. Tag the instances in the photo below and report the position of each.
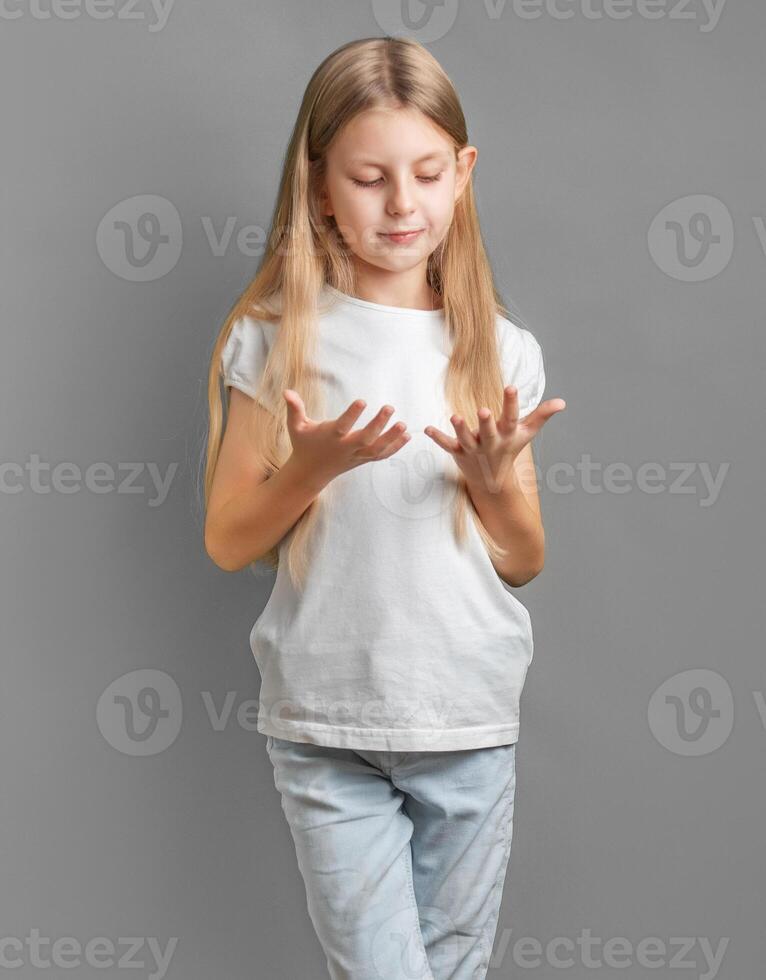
(324, 450)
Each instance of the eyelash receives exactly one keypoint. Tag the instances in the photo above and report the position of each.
(373, 183)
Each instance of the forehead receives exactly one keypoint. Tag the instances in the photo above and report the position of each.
(384, 136)
(363, 159)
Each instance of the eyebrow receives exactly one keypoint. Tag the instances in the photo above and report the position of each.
(435, 155)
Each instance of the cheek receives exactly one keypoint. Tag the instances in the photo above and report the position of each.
(439, 213)
(443, 205)
(359, 219)
(356, 209)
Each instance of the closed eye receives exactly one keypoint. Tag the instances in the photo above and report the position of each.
(374, 183)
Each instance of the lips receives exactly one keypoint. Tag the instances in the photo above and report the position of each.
(402, 237)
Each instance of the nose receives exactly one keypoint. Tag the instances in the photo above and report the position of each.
(401, 198)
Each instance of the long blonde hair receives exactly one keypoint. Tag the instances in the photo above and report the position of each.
(304, 251)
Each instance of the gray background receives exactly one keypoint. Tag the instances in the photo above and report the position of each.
(641, 790)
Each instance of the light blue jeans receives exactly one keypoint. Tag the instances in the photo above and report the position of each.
(403, 854)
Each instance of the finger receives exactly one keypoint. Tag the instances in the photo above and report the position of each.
(389, 436)
(465, 437)
(510, 413)
(545, 410)
(395, 445)
(442, 439)
(296, 410)
(375, 426)
(345, 420)
(487, 427)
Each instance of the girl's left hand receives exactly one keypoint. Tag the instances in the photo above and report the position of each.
(484, 453)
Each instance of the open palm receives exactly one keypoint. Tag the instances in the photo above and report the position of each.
(483, 454)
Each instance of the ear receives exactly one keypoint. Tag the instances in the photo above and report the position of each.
(466, 161)
(324, 201)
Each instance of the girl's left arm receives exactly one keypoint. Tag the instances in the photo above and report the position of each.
(499, 471)
(509, 509)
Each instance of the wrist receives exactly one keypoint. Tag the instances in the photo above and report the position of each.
(308, 478)
(491, 480)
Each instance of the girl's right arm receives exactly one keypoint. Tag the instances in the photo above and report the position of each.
(247, 513)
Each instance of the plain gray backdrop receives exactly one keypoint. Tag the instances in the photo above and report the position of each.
(621, 192)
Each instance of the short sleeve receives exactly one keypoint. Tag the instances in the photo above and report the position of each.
(244, 355)
(522, 365)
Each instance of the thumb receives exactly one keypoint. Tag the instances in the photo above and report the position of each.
(296, 410)
(544, 411)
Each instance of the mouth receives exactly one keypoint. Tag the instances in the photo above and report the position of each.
(402, 237)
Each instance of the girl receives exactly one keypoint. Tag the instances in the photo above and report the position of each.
(392, 652)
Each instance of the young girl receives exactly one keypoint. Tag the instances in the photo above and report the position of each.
(392, 652)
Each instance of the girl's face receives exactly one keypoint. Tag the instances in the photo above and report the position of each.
(392, 171)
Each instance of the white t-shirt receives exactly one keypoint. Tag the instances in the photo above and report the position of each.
(400, 641)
